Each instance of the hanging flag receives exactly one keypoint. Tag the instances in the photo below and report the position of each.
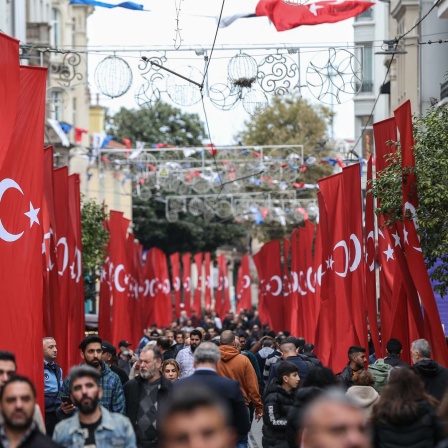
(268, 263)
(160, 287)
(186, 282)
(286, 17)
(175, 278)
(78, 134)
(104, 307)
(411, 243)
(243, 286)
(208, 282)
(126, 5)
(197, 301)
(370, 274)
(222, 298)
(21, 194)
(286, 279)
(293, 317)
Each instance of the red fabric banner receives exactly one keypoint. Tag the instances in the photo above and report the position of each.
(186, 282)
(197, 301)
(243, 286)
(370, 249)
(416, 262)
(222, 298)
(287, 285)
(104, 307)
(351, 176)
(268, 263)
(294, 317)
(21, 194)
(160, 288)
(286, 17)
(337, 270)
(208, 282)
(175, 278)
(121, 322)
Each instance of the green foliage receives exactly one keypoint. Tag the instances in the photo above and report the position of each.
(431, 159)
(189, 234)
(94, 236)
(160, 124)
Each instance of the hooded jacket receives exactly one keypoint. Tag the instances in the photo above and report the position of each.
(237, 367)
(277, 404)
(434, 376)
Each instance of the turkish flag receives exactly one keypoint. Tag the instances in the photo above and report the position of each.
(337, 278)
(243, 286)
(351, 176)
(414, 256)
(197, 301)
(104, 307)
(370, 275)
(186, 281)
(208, 282)
(121, 321)
(286, 280)
(21, 194)
(222, 298)
(77, 310)
(294, 318)
(268, 263)
(160, 287)
(175, 278)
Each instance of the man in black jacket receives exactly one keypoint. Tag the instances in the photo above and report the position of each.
(206, 358)
(109, 356)
(145, 396)
(357, 360)
(394, 349)
(433, 374)
(17, 402)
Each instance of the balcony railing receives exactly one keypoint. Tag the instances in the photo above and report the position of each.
(366, 15)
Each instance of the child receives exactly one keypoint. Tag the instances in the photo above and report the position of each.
(278, 400)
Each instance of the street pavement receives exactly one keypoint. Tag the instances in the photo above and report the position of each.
(255, 434)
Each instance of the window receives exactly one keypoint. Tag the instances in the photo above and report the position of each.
(55, 38)
(56, 105)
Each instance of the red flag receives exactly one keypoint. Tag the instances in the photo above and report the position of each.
(222, 298)
(197, 302)
(175, 277)
(186, 282)
(412, 247)
(243, 286)
(77, 319)
(121, 321)
(157, 272)
(337, 270)
(287, 285)
(370, 248)
(294, 317)
(268, 264)
(104, 307)
(351, 176)
(21, 193)
(208, 282)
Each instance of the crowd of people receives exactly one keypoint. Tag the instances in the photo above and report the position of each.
(202, 382)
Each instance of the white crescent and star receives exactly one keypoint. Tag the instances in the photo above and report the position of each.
(117, 284)
(279, 285)
(309, 282)
(302, 290)
(246, 281)
(358, 252)
(63, 241)
(343, 244)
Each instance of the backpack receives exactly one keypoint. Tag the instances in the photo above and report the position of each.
(380, 371)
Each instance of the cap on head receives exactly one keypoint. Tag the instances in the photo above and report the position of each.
(108, 348)
(124, 343)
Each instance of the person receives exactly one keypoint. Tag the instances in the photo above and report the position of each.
(17, 404)
(109, 356)
(264, 352)
(405, 415)
(112, 397)
(289, 353)
(185, 356)
(308, 351)
(356, 362)
(333, 421)
(170, 369)
(235, 366)
(145, 396)
(8, 369)
(180, 337)
(170, 335)
(393, 351)
(124, 356)
(316, 383)
(206, 358)
(93, 425)
(52, 383)
(278, 401)
(434, 376)
(195, 418)
(272, 359)
(164, 345)
(363, 393)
